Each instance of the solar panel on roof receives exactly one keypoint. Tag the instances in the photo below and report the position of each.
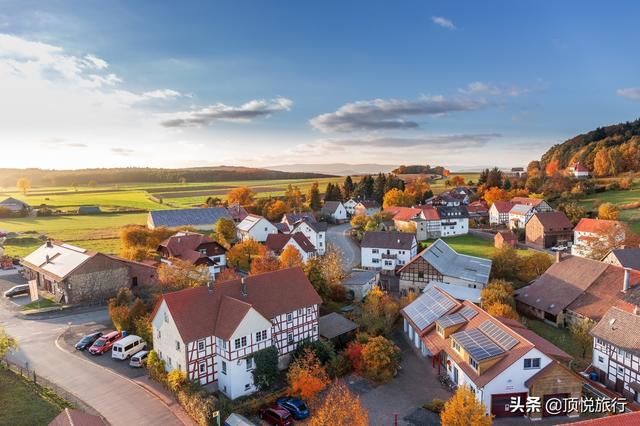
(498, 335)
(427, 308)
(468, 312)
(477, 344)
(451, 320)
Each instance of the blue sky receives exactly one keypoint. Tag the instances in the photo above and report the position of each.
(464, 84)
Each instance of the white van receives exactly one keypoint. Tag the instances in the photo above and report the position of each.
(127, 346)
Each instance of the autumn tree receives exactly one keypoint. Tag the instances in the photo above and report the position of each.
(139, 242)
(464, 409)
(7, 343)
(291, 257)
(602, 165)
(580, 330)
(573, 211)
(313, 271)
(359, 221)
(353, 352)
(552, 167)
(380, 359)
(227, 274)
(396, 197)
(225, 232)
(313, 197)
(419, 189)
(181, 274)
(242, 195)
(505, 263)
(379, 312)
(533, 265)
(276, 210)
(306, 376)
(457, 180)
(242, 254)
(494, 194)
(266, 263)
(608, 211)
(502, 310)
(124, 310)
(340, 408)
(293, 197)
(23, 185)
(497, 291)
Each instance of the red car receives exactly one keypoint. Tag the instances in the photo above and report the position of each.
(276, 415)
(104, 343)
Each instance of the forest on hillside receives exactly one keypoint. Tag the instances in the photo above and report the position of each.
(40, 177)
(605, 151)
(419, 169)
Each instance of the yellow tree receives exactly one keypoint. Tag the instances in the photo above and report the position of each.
(602, 163)
(497, 291)
(290, 257)
(395, 197)
(242, 195)
(463, 409)
(494, 194)
(502, 310)
(608, 211)
(276, 210)
(340, 408)
(182, 274)
(266, 263)
(306, 376)
(23, 184)
(225, 232)
(242, 254)
(457, 180)
(7, 343)
(380, 359)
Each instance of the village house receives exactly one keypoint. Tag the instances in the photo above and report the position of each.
(16, 206)
(276, 243)
(616, 352)
(478, 210)
(446, 199)
(498, 359)
(387, 250)
(499, 212)
(590, 233)
(360, 282)
(519, 215)
(212, 332)
(292, 219)
(574, 288)
(316, 232)
(73, 275)
(578, 170)
(517, 172)
(454, 220)
(367, 208)
(505, 239)
(350, 206)
(425, 220)
(237, 212)
(539, 204)
(464, 193)
(548, 229)
(439, 263)
(196, 249)
(255, 227)
(628, 257)
(202, 219)
(335, 211)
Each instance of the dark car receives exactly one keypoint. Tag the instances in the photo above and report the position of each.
(295, 406)
(17, 290)
(276, 415)
(87, 341)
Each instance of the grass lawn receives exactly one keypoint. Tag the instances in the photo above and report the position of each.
(470, 245)
(632, 216)
(24, 403)
(39, 304)
(562, 338)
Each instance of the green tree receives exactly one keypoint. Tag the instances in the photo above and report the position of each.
(225, 232)
(313, 196)
(380, 359)
(7, 343)
(580, 330)
(265, 372)
(347, 188)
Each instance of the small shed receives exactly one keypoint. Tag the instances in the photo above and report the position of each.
(89, 210)
(360, 282)
(504, 239)
(337, 328)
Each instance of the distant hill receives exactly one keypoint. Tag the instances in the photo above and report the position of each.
(40, 177)
(419, 169)
(619, 140)
(340, 169)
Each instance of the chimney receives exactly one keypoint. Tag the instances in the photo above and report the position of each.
(626, 283)
(49, 244)
(48, 260)
(243, 287)
(558, 257)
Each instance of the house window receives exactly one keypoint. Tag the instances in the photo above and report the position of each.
(309, 311)
(201, 345)
(375, 260)
(473, 363)
(600, 359)
(290, 338)
(166, 317)
(289, 317)
(224, 367)
(249, 364)
(240, 342)
(300, 311)
(531, 363)
(202, 367)
(455, 345)
(621, 370)
(261, 335)
(177, 345)
(374, 251)
(420, 275)
(440, 330)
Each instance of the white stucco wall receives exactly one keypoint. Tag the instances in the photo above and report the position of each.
(165, 342)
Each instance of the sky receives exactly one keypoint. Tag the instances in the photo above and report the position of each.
(464, 84)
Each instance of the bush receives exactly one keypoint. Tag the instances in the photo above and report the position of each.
(176, 380)
(266, 371)
(199, 406)
(156, 368)
(322, 349)
(436, 405)
(339, 366)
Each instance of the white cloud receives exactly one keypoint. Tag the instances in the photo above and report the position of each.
(630, 92)
(443, 22)
(389, 114)
(482, 88)
(220, 112)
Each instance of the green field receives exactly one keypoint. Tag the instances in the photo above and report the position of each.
(562, 338)
(24, 403)
(618, 198)
(471, 245)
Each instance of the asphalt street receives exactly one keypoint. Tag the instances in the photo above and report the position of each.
(339, 237)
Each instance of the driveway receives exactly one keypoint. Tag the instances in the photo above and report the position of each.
(416, 384)
(339, 236)
(118, 399)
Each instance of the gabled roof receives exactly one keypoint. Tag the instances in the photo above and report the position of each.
(313, 224)
(553, 221)
(10, 201)
(450, 263)
(452, 212)
(184, 245)
(620, 329)
(237, 212)
(197, 311)
(359, 277)
(57, 259)
(534, 202)
(369, 204)
(330, 207)
(578, 167)
(430, 213)
(249, 222)
(627, 257)
(388, 240)
(292, 218)
(403, 214)
(597, 226)
(277, 242)
(520, 209)
(186, 217)
(502, 206)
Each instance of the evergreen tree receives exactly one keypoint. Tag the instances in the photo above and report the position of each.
(379, 187)
(314, 197)
(347, 188)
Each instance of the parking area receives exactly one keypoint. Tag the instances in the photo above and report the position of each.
(9, 279)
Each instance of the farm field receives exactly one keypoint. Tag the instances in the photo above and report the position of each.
(632, 216)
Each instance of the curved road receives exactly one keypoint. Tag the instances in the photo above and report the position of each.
(116, 398)
(338, 236)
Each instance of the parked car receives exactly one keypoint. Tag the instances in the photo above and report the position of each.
(87, 341)
(104, 343)
(235, 419)
(276, 415)
(138, 360)
(17, 290)
(295, 406)
(127, 346)
(559, 248)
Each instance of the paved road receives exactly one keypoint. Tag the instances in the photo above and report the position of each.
(338, 236)
(120, 401)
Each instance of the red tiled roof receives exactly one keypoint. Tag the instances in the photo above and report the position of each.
(184, 246)
(430, 213)
(534, 202)
(503, 206)
(196, 311)
(578, 167)
(596, 226)
(404, 214)
(625, 419)
(237, 212)
(277, 242)
(553, 221)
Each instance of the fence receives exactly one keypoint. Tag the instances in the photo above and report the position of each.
(31, 375)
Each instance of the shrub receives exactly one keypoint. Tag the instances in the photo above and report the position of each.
(354, 355)
(156, 368)
(339, 366)
(176, 380)
(436, 405)
(199, 406)
(322, 349)
(380, 359)
(265, 372)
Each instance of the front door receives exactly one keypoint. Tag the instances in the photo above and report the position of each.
(455, 375)
(619, 386)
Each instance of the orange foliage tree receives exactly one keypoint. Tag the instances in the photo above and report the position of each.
(276, 210)
(227, 274)
(307, 376)
(380, 359)
(291, 257)
(353, 352)
(457, 180)
(266, 263)
(340, 408)
(242, 195)
(494, 194)
(395, 197)
(464, 409)
(608, 211)
(552, 167)
(502, 310)
(242, 254)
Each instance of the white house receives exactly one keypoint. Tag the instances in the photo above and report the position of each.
(387, 250)
(335, 210)
(519, 215)
(616, 352)
(316, 232)
(276, 243)
(439, 263)
(367, 208)
(590, 233)
(255, 227)
(578, 170)
(212, 332)
(350, 206)
(454, 220)
(499, 212)
(497, 359)
(194, 248)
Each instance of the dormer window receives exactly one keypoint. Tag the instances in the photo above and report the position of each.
(440, 330)
(473, 363)
(455, 346)
(240, 342)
